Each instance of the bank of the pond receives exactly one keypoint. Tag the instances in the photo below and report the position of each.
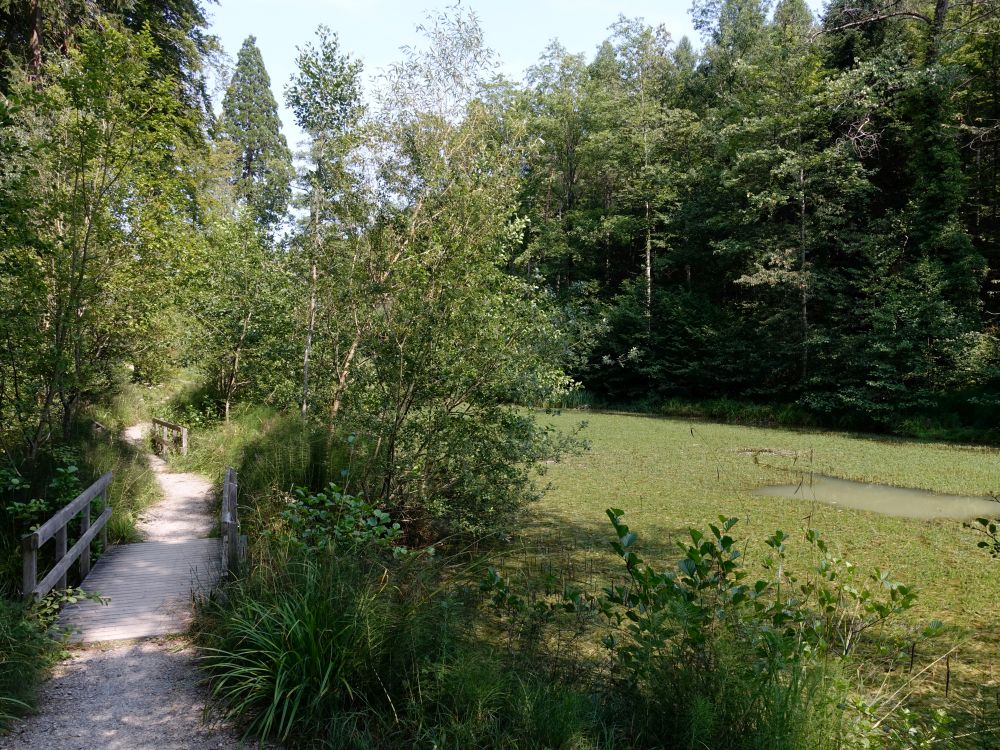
(668, 475)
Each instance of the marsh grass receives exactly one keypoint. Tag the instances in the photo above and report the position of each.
(670, 474)
(133, 490)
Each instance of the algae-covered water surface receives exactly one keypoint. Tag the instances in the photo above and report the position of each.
(903, 502)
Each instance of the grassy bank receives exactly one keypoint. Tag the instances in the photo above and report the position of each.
(668, 475)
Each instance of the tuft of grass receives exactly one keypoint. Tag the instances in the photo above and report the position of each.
(306, 641)
(345, 650)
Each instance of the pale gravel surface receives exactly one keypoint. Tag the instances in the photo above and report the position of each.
(186, 511)
(134, 695)
(139, 695)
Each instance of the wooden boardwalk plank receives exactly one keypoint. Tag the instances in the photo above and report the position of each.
(150, 586)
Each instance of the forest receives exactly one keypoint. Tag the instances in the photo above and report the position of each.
(397, 329)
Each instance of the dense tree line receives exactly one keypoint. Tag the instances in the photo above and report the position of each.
(805, 210)
(104, 119)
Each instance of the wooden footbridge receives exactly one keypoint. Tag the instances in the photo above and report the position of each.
(148, 588)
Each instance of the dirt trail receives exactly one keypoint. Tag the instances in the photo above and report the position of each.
(134, 695)
(186, 511)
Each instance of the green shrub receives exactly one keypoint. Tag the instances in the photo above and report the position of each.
(26, 652)
(335, 518)
(715, 659)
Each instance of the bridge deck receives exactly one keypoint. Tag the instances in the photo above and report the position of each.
(150, 586)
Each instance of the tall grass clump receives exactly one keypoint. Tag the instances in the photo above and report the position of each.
(324, 649)
(313, 643)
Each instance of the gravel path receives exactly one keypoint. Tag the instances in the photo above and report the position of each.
(186, 511)
(134, 695)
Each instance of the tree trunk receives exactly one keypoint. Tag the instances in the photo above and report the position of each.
(231, 381)
(338, 394)
(802, 270)
(309, 338)
(937, 30)
(649, 271)
(314, 220)
(35, 42)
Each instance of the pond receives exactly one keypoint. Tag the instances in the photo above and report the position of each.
(882, 498)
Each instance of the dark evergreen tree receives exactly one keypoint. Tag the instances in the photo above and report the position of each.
(262, 169)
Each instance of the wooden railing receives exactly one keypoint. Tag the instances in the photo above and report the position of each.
(56, 528)
(233, 543)
(168, 435)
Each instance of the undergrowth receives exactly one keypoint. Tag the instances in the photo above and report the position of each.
(26, 652)
(329, 640)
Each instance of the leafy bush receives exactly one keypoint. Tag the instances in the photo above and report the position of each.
(703, 656)
(25, 653)
(718, 661)
(333, 518)
(989, 532)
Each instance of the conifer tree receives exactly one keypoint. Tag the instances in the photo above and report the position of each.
(263, 163)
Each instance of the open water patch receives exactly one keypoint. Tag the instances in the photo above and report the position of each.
(903, 502)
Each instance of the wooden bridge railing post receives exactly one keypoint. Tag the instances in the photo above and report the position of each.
(61, 553)
(104, 529)
(233, 544)
(84, 528)
(29, 550)
(164, 430)
(56, 528)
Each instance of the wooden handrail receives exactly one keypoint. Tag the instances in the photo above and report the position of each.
(233, 543)
(56, 527)
(169, 427)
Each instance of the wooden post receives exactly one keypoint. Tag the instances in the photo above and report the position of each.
(85, 557)
(30, 547)
(60, 538)
(104, 529)
(184, 441)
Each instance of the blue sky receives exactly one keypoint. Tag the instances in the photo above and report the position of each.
(374, 30)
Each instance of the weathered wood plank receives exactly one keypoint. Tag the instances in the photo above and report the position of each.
(168, 425)
(150, 586)
(229, 522)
